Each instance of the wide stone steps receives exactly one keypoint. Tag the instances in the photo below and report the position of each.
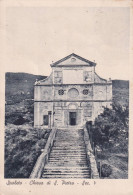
(65, 168)
(61, 176)
(68, 156)
(67, 163)
(63, 157)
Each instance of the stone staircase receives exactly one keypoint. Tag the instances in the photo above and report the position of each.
(68, 156)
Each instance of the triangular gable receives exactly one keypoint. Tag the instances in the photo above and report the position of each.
(73, 60)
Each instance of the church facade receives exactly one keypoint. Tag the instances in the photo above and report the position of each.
(72, 95)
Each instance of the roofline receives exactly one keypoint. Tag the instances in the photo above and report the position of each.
(77, 56)
(83, 84)
(38, 82)
(100, 77)
(78, 65)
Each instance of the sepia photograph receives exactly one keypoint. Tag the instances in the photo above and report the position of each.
(67, 93)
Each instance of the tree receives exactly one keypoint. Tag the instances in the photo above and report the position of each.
(109, 125)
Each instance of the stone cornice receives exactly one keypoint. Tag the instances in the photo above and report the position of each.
(85, 84)
(72, 101)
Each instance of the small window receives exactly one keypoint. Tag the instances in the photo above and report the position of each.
(73, 59)
(85, 91)
(61, 92)
(45, 119)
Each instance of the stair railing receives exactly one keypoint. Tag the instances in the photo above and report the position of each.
(90, 156)
(43, 158)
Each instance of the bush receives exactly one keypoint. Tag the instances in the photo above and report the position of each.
(112, 124)
(20, 121)
(106, 170)
(23, 145)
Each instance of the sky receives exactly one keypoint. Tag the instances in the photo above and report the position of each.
(38, 36)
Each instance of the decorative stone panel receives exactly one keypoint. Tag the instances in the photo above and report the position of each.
(88, 76)
(57, 77)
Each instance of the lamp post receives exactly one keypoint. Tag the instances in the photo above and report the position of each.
(49, 113)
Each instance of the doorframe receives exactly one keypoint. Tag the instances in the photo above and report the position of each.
(72, 110)
(73, 117)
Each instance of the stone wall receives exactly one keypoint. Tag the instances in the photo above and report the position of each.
(99, 92)
(98, 108)
(109, 92)
(43, 93)
(41, 109)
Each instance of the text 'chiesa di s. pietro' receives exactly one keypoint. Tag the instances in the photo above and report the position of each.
(72, 95)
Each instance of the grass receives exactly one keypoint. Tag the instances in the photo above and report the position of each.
(118, 162)
(23, 145)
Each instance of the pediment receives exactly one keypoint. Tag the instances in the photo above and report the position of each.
(73, 60)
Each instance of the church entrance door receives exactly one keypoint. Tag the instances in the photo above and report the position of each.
(72, 118)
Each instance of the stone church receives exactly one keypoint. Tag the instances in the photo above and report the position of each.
(72, 95)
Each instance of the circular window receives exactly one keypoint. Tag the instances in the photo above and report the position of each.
(72, 93)
(85, 91)
(61, 92)
(73, 59)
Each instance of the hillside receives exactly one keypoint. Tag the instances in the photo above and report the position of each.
(20, 86)
(120, 84)
(120, 90)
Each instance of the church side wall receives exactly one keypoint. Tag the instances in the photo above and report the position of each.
(102, 94)
(42, 93)
(99, 92)
(36, 114)
(41, 110)
(109, 92)
(99, 108)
